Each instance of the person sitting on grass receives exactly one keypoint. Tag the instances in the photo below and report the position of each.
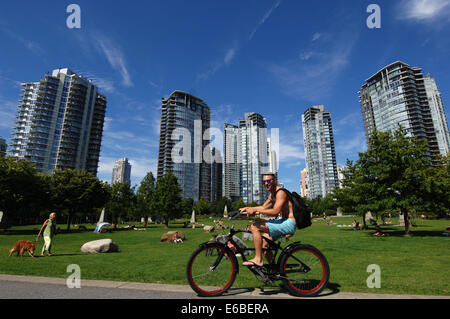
(379, 232)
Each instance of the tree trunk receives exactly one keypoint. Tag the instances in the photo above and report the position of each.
(69, 218)
(364, 221)
(406, 219)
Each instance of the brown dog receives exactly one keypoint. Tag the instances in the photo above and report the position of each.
(21, 246)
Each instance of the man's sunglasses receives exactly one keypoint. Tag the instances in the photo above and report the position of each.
(267, 181)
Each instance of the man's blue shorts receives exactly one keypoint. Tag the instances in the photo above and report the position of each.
(280, 227)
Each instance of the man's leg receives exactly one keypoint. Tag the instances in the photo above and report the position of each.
(267, 253)
(256, 229)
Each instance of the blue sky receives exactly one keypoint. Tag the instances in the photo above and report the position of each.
(274, 57)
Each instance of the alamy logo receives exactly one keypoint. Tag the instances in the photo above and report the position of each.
(374, 280)
(192, 149)
(374, 20)
(74, 19)
(74, 280)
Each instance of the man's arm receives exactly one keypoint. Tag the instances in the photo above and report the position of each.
(267, 204)
(280, 199)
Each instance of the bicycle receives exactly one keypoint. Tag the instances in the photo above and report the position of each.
(212, 268)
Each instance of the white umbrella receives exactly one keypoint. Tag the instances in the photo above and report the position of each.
(225, 211)
(102, 217)
(99, 227)
(193, 217)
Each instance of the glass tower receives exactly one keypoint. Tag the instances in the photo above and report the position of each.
(438, 114)
(318, 138)
(121, 171)
(247, 158)
(59, 123)
(397, 96)
(2, 146)
(182, 110)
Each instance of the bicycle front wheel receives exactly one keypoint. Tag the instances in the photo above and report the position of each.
(211, 270)
(304, 270)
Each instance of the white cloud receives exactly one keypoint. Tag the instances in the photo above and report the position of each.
(353, 144)
(30, 45)
(316, 36)
(116, 58)
(312, 75)
(225, 61)
(229, 56)
(289, 152)
(424, 10)
(264, 18)
(7, 113)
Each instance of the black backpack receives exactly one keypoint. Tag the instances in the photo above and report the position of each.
(302, 213)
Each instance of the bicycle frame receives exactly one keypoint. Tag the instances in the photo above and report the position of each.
(273, 246)
(284, 265)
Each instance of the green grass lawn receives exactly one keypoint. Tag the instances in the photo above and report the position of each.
(414, 264)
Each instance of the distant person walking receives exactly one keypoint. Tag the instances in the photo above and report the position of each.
(49, 233)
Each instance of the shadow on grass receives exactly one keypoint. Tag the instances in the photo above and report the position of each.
(59, 255)
(13, 232)
(400, 233)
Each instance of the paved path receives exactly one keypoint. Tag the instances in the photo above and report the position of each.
(16, 287)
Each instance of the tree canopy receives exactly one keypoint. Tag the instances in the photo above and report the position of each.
(395, 174)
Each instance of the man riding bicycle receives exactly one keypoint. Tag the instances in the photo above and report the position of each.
(277, 204)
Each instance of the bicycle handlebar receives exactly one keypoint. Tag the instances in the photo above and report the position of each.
(235, 214)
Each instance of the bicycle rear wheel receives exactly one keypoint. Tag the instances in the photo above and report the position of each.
(211, 270)
(304, 270)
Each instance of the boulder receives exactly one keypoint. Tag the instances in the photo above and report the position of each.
(100, 246)
(167, 237)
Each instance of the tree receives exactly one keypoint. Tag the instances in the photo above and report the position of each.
(437, 194)
(144, 197)
(239, 204)
(77, 192)
(187, 204)
(23, 192)
(391, 175)
(122, 199)
(167, 198)
(202, 207)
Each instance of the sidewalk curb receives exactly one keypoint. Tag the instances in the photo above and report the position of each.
(185, 288)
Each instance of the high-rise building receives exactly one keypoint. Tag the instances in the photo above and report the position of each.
(253, 138)
(185, 115)
(340, 174)
(59, 123)
(2, 146)
(303, 186)
(232, 169)
(318, 138)
(399, 95)
(216, 175)
(121, 171)
(438, 114)
(272, 158)
(246, 159)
